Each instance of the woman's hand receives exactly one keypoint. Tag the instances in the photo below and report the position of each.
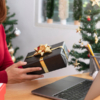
(17, 75)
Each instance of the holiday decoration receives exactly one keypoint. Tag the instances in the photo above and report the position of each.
(77, 9)
(9, 45)
(82, 44)
(88, 18)
(11, 33)
(42, 49)
(11, 50)
(76, 63)
(96, 39)
(78, 30)
(13, 58)
(17, 32)
(57, 59)
(50, 10)
(88, 30)
(89, 55)
(95, 2)
(63, 11)
(80, 41)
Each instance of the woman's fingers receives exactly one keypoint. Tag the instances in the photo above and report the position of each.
(31, 77)
(26, 70)
(20, 63)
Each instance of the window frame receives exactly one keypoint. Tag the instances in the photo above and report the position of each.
(38, 20)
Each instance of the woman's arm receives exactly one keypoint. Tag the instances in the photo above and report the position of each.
(7, 61)
(11, 73)
(7, 58)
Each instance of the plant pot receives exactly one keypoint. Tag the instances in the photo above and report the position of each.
(63, 22)
(76, 22)
(50, 21)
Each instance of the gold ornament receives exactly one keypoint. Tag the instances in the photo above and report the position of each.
(88, 17)
(89, 11)
(82, 44)
(9, 45)
(13, 58)
(9, 32)
(76, 63)
(96, 39)
(11, 51)
(95, 2)
(78, 30)
(42, 49)
(80, 41)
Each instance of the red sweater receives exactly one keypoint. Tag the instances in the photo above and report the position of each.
(5, 58)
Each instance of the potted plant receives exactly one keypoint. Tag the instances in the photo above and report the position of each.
(50, 10)
(77, 9)
(63, 11)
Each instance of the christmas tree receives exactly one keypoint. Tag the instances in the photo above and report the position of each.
(10, 34)
(77, 9)
(90, 34)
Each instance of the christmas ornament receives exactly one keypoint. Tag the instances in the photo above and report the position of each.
(9, 45)
(78, 30)
(89, 55)
(82, 44)
(9, 32)
(88, 18)
(76, 63)
(95, 2)
(40, 50)
(17, 32)
(96, 39)
(13, 58)
(89, 11)
(11, 51)
(80, 41)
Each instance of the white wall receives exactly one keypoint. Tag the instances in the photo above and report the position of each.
(32, 35)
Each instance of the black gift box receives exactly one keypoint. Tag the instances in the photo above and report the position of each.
(56, 60)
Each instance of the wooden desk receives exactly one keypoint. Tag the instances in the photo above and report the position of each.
(22, 91)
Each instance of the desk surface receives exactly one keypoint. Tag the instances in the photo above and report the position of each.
(22, 91)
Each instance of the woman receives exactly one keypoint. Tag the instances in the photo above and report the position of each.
(9, 72)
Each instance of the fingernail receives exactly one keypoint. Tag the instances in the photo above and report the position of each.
(42, 75)
(40, 68)
(25, 62)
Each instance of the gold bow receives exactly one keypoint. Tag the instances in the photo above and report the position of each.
(42, 49)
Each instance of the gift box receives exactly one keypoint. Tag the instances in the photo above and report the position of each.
(2, 91)
(49, 58)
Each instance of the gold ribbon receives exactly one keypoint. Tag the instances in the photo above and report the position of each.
(43, 65)
(42, 61)
(63, 50)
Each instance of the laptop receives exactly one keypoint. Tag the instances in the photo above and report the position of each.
(69, 88)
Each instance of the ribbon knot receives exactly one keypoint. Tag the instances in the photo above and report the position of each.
(42, 49)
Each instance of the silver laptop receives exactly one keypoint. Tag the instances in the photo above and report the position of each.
(71, 88)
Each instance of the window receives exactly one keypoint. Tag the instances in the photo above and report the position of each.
(41, 8)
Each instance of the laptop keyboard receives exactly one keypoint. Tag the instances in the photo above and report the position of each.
(76, 92)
